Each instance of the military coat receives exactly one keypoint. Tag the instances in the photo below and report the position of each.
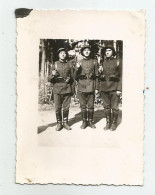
(63, 81)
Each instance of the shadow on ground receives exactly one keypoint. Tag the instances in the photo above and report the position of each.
(98, 115)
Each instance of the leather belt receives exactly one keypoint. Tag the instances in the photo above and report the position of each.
(60, 80)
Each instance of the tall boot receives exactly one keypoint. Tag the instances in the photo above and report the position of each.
(84, 119)
(90, 119)
(108, 119)
(114, 121)
(65, 120)
(59, 121)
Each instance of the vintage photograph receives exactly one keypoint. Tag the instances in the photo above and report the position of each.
(80, 105)
(80, 81)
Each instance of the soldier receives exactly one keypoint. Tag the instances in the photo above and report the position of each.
(62, 79)
(110, 86)
(85, 74)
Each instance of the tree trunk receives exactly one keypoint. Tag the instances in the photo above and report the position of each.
(42, 60)
(42, 73)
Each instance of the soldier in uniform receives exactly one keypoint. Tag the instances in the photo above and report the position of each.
(62, 78)
(85, 74)
(110, 86)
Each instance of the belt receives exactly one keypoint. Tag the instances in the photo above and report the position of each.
(84, 77)
(60, 80)
(109, 78)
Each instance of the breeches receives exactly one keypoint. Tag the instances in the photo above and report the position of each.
(86, 100)
(110, 100)
(62, 101)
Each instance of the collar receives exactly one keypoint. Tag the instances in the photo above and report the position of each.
(62, 61)
(108, 59)
(85, 58)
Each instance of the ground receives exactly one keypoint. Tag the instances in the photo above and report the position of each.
(49, 137)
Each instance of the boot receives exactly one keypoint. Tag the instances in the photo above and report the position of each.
(59, 121)
(108, 119)
(65, 120)
(114, 122)
(84, 118)
(90, 119)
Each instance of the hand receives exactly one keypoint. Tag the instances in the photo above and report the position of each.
(96, 91)
(68, 79)
(100, 69)
(119, 93)
(54, 72)
(78, 65)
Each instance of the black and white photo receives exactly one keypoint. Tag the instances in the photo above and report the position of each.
(80, 101)
(85, 74)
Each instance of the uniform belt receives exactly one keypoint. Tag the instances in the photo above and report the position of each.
(60, 80)
(84, 77)
(109, 78)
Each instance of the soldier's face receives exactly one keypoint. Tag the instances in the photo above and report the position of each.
(86, 52)
(62, 55)
(108, 53)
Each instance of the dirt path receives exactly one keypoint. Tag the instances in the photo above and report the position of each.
(49, 137)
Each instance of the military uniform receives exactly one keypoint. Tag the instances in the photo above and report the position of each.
(111, 82)
(87, 83)
(62, 88)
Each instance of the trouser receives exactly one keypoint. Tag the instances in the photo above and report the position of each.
(62, 104)
(110, 100)
(87, 104)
